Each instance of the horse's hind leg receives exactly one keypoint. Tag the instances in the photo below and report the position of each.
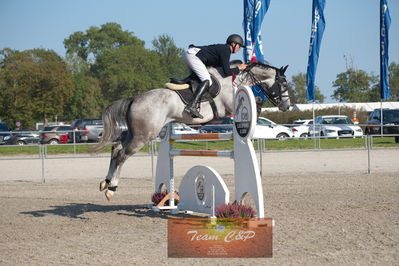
(129, 147)
(112, 166)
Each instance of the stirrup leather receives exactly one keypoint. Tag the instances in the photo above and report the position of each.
(193, 111)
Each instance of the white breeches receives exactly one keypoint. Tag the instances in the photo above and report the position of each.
(195, 64)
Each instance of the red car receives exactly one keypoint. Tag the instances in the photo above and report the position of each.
(55, 134)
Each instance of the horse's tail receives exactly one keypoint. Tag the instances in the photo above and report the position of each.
(115, 122)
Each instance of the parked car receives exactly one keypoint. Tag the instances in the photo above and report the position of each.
(300, 128)
(26, 136)
(55, 134)
(181, 128)
(86, 129)
(223, 125)
(178, 128)
(390, 122)
(267, 129)
(4, 127)
(334, 126)
(92, 131)
(6, 137)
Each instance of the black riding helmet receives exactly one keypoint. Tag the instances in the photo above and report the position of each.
(236, 39)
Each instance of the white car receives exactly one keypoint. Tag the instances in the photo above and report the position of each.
(180, 128)
(177, 129)
(300, 128)
(267, 129)
(335, 126)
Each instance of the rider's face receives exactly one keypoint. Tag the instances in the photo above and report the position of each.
(235, 47)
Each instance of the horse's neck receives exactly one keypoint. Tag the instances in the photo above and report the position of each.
(263, 75)
(243, 79)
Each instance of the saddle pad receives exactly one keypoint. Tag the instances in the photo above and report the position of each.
(187, 94)
(176, 87)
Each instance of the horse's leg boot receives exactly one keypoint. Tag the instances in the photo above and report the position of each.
(191, 107)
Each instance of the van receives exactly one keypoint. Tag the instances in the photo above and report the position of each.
(389, 123)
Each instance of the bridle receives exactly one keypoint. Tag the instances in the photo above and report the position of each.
(273, 93)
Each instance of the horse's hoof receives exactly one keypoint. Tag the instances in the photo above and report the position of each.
(103, 185)
(109, 194)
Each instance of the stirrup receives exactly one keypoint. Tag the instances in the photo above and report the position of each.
(193, 111)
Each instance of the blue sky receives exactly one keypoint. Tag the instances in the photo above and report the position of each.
(352, 28)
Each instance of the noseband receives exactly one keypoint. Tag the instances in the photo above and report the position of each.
(273, 93)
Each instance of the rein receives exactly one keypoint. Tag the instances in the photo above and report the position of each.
(274, 93)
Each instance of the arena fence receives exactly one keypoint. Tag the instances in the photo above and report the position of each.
(262, 146)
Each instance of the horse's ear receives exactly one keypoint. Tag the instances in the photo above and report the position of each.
(283, 69)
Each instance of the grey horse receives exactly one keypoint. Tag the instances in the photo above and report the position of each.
(131, 123)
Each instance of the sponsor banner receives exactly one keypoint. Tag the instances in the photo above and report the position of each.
(254, 12)
(220, 238)
(318, 25)
(385, 23)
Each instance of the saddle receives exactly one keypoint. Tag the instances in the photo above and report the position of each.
(186, 91)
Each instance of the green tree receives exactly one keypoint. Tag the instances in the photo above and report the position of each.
(97, 40)
(299, 90)
(393, 70)
(171, 57)
(354, 85)
(87, 100)
(374, 95)
(35, 84)
(128, 71)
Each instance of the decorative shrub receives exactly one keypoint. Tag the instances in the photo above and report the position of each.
(158, 196)
(234, 210)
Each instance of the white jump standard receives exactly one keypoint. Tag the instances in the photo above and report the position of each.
(202, 188)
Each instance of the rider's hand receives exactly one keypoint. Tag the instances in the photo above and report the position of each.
(242, 67)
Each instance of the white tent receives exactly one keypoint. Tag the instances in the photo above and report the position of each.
(358, 106)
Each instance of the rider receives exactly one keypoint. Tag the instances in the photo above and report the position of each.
(197, 58)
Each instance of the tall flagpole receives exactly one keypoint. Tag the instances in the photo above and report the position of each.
(382, 118)
(313, 125)
(318, 25)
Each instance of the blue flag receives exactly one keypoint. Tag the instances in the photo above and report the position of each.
(254, 12)
(385, 22)
(318, 25)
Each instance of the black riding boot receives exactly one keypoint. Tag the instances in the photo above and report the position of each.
(192, 106)
(183, 81)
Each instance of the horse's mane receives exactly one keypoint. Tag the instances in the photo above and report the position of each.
(259, 64)
(251, 64)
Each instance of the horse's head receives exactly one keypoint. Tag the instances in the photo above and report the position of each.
(271, 80)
